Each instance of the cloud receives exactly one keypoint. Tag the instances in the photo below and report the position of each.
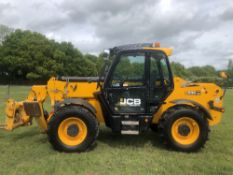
(227, 14)
(199, 31)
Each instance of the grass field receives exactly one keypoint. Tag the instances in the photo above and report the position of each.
(26, 151)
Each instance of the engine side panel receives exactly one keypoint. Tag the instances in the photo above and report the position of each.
(201, 94)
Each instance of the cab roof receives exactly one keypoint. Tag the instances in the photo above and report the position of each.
(142, 46)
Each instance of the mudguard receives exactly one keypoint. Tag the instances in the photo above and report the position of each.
(194, 103)
(75, 101)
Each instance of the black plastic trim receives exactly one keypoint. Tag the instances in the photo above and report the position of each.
(184, 101)
(76, 101)
(79, 79)
(107, 114)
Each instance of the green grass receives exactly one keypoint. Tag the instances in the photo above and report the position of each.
(26, 151)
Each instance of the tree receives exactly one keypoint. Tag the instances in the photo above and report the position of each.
(230, 73)
(100, 62)
(93, 61)
(26, 55)
(4, 31)
(206, 71)
(179, 70)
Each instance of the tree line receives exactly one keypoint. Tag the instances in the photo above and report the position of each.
(30, 57)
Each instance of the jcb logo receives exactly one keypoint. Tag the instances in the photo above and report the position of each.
(130, 101)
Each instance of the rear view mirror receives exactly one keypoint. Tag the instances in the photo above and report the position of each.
(224, 75)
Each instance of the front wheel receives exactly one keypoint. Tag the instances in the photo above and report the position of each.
(185, 129)
(72, 129)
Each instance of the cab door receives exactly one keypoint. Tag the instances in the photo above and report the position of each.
(126, 87)
(160, 79)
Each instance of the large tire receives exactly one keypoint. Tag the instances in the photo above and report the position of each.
(184, 129)
(72, 129)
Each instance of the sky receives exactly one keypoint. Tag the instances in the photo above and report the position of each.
(199, 31)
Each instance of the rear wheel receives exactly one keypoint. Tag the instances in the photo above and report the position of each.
(184, 129)
(72, 129)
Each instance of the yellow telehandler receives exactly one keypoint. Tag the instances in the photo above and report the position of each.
(135, 92)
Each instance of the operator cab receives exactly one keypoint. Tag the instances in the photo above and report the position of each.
(135, 85)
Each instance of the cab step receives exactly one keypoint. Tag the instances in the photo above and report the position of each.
(129, 127)
(129, 132)
(130, 123)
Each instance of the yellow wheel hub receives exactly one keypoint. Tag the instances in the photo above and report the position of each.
(185, 131)
(72, 131)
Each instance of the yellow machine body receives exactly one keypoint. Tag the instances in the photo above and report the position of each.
(184, 93)
(204, 96)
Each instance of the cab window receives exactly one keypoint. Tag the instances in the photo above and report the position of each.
(165, 71)
(155, 75)
(130, 71)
